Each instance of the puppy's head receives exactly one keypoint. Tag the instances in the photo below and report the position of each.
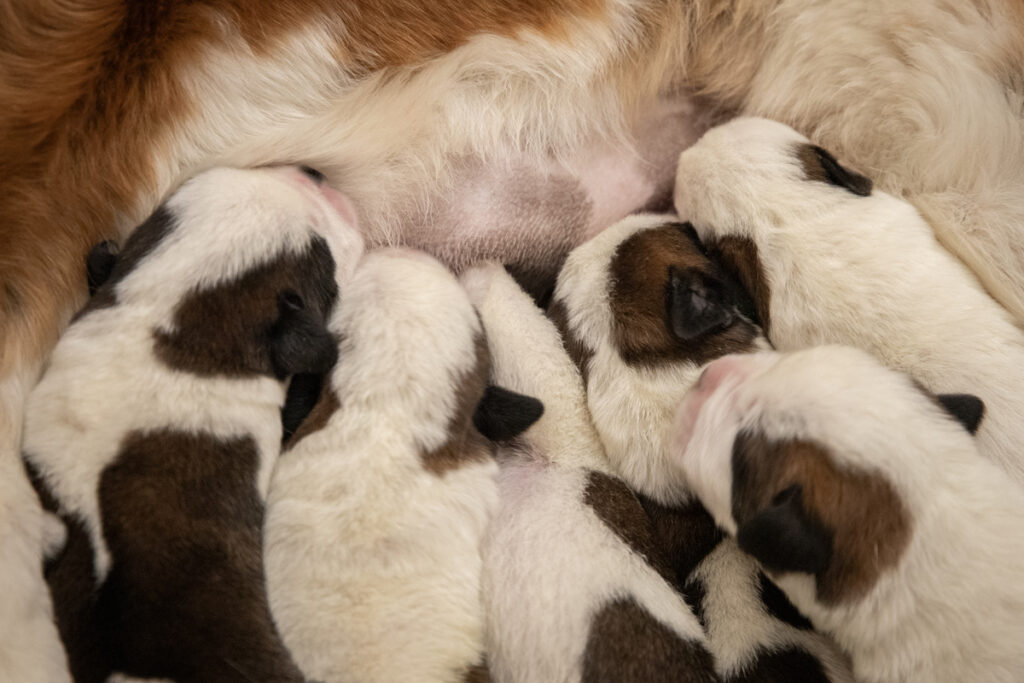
(641, 308)
(414, 355)
(820, 462)
(236, 273)
(748, 181)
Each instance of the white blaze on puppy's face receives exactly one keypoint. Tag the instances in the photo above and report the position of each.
(641, 309)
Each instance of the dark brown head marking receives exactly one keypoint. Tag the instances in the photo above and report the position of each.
(270, 320)
(621, 511)
(662, 272)
(796, 510)
(626, 643)
(738, 257)
(684, 535)
(781, 666)
(573, 345)
(185, 597)
(478, 673)
(465, 444)
(819, 165)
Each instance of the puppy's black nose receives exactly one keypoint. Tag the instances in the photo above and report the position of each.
(313, 174)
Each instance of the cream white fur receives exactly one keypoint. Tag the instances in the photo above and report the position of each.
(373, 562)
(950, 609)
(632, 407)
(103, 379)
(864, 271)
(550, 563)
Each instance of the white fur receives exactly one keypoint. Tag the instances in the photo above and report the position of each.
(373, 562)
(864, 271)
(550, 562)
(103, 379)
(632, 407)
(950, 610)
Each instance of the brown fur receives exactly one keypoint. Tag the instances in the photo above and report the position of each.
(478, 673)
(684, 535)
(640, 276)
(465, 444)
(869, 525)
(574, 346)
(627, 644)
(223, 330)
(620, 510)
(738, 256)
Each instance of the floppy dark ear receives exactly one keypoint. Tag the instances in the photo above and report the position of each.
(837, 174)
(967, 409)
(502, 414)
(299, 341)
(784, 538)
(99, 264)
(696, 304)
(303, 393)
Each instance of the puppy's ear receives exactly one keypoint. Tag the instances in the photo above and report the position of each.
(303, 393)
(967, 409)
(837, 174)
(784, 538)
(502, 414)
(99, 264)
(299, 341)
(696, 304)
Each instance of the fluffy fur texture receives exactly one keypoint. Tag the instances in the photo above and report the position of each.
(828, 265)
(827, 449)
(377, 511)
(183, 351)
(572, 581)
(111, 105)
(632, 399)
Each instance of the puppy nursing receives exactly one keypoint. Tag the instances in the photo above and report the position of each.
(828, 260)
(871, 507)
(380, 503)
(155, 427)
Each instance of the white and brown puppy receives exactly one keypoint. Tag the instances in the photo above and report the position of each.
(643, 309)
(155, 427)
(378, 508)
(829, 260)
(575, 586)
(867, 501)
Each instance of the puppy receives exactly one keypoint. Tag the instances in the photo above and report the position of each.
(574, 585)
(866, 500)
(643, 309)
(377, 510)
(830, 260)
(155, 427)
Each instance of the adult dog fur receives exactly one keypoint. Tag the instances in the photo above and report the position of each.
(110, 105)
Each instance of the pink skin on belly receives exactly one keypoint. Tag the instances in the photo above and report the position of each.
(531, 215)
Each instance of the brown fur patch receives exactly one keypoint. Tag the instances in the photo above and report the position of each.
(639, 282)
(626, 643)
(186, 594)
(738, 256)
(869, 525)
(326, 406)
(226, 330)
(573, 345)
(465, 444)
(478, 673)
(620, 510)
(683, 535)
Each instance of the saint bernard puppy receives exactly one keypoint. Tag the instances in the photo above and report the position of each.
(865, 498)
(157, 422)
